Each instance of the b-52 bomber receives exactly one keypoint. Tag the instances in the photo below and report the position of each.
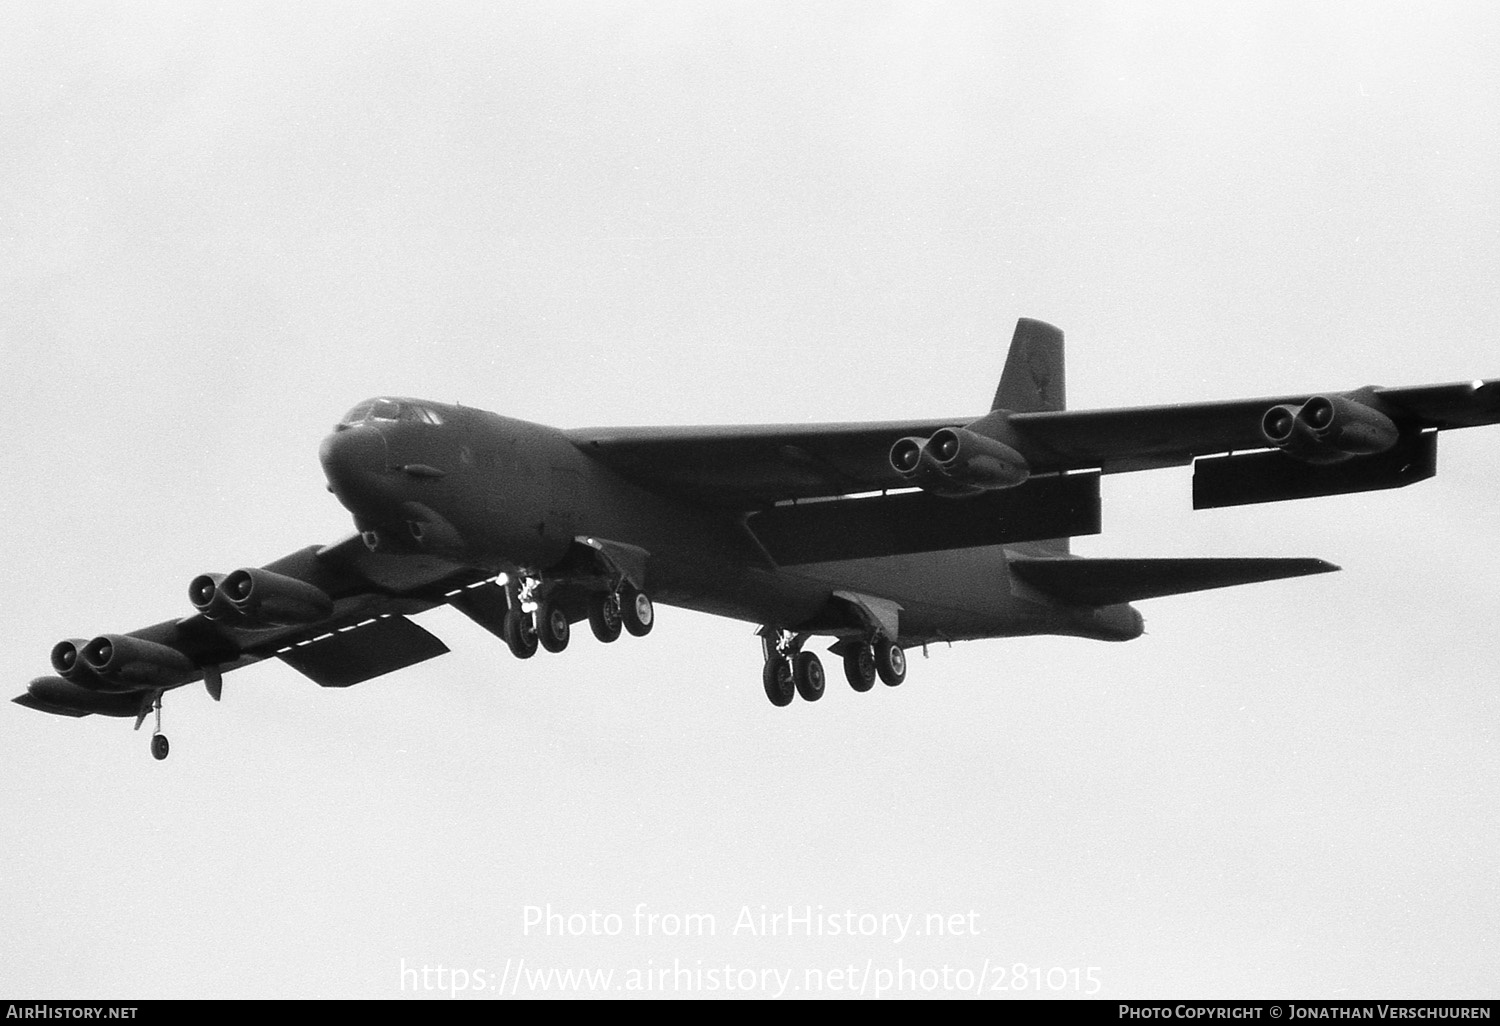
(875, 537)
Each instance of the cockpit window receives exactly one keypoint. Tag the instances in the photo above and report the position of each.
(391, 410)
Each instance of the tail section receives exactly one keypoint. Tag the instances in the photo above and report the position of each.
(1033, 382)
(1033, 379)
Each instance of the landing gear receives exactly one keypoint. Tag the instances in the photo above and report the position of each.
(807, 672)
(540, 611)
(890, 662)
(159, 744)
(789, 670)
(778, 681)
(520, 635)
(636, 610)
(859, 667)
(605, 618)
(552, 627)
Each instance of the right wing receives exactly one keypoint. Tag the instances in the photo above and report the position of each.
(365, 633)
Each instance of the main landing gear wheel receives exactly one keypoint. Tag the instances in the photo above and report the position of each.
(859, 668)
(807, 673)
(777, 678)
(519, 635)
(890, 662)
(552, 627)
(637, 611)
(159, 747)
(605, 618)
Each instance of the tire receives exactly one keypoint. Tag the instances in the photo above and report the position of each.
(859, 668)
(777, 679)
(808, 674)
(519, 635)
(159, 747)
(637, 611)
(890, 662)
(552, 627)
(604, 616)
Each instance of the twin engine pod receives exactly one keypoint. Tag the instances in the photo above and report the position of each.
(956, 462)
(1329, 429)
(259, 598)
(120, 662)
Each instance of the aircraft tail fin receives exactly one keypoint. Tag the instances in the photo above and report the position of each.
(1107, 582)
(1033, 379)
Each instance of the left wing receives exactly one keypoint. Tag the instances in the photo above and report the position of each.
(747, 468)
(337, 613)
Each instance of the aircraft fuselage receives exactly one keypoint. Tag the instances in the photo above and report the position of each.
(507, 495)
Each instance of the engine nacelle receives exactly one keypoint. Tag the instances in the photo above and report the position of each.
(957, 462)
(67, 661)
(1329, 429)
(263, 598)
(125, 660)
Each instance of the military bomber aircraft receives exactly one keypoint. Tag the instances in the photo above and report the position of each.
(874, 536)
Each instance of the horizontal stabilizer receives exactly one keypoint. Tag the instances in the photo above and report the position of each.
(357, 654)
(1105, 582)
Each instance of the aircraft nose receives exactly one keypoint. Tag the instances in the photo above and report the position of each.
(354, 461)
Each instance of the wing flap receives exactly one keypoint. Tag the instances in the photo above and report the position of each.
(1107, 582)
(1252, 477)
(357, 654)
(894, 525)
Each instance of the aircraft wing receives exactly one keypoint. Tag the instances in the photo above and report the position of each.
(365, 632)
(755, 467)
(1145, 437)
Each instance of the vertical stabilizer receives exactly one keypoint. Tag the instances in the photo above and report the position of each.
(1033, 379)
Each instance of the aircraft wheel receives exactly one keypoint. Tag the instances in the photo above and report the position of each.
(859, 668)
(519, 636)
(890, 662)
(159, 747)
(637, 611)
(552, 627)
(808, 674)
(777, 678)
(604, 616)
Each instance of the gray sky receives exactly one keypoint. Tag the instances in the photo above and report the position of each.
(222, 226)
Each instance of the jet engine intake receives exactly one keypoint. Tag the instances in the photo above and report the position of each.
(207, 595)
(264, 598)
(1329, 429)
(124, 659)
(957, 462)
(67, 661)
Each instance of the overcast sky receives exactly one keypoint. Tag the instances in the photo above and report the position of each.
(221, 226)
